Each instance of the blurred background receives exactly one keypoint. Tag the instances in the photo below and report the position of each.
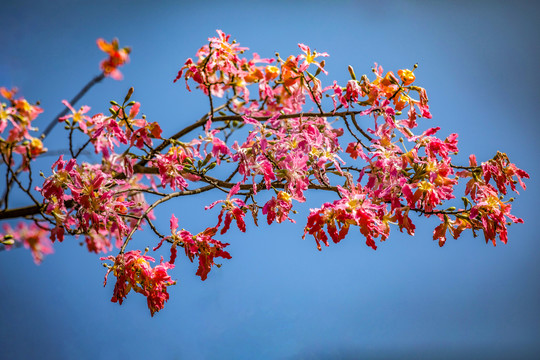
(278, 297)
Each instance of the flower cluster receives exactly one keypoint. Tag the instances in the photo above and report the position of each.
(201, 245)
(289, 150)
(31, 236)
(488, 212)
(83, 199)
(354, 208)
(219, 67)
(121, 127)
(133, 271)
(295, 151)
(17, 116)
(171, 167)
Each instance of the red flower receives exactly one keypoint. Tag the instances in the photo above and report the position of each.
(233, 209)
(355, 208)
(133, 271)
(201, 245)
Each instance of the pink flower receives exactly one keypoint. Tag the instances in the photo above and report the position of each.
(171, 167)
(207, 249)
(435, 186)
(106, 134)
(219, 148)
(338, 93)
(309, 58)
(233, 209)
(32, 237)
(201, 245)
(219, 68)
(77, 116)
(143, 136)
(98, 241)
(133, 271)
(502, 171)
(355, 151)
(355, 208)
(490, 213)
(278, 209)
(95, 203)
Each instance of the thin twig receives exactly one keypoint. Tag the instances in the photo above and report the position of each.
(156, 203)
(359, 141)
(312, 93)
(353, 118)
(161, 236)
(73, 101)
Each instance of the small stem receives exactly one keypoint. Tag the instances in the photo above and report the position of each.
(312, 93)
(82, 148)
(354, 135)
(161, 236)
(353, 118)
(160, 201)
(8, 182)
(71, 143)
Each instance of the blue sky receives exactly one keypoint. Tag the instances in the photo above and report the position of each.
(278, 297)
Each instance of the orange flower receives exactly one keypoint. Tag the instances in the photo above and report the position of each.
(254, 76)
(117, 57)
(389, 79)
(290, 72)
(35, 147)
(407, 76)
(400, 102)
(272, 72)
(8, 94)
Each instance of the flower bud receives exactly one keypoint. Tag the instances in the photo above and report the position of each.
(351, 71)
(8, 242)
(128, 96)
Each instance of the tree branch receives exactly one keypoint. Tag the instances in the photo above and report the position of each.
(73, 101)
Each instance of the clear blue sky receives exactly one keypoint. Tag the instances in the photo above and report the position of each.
(278, 297)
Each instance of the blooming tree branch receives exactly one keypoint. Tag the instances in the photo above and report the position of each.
(288, 139)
